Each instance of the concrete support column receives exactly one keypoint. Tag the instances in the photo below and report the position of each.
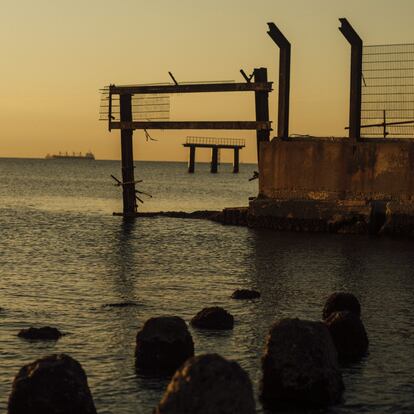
(356, 79)
(214, 160)
(262, 108)
(191, 165)
(128, 188)
(236, 160)
(284, 80)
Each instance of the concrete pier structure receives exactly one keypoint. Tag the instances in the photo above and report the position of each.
(155, 98)
(334, 185)
(357, 184)
(215, 144)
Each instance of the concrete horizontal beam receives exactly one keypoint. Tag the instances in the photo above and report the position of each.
(192, 88)
(238, 125)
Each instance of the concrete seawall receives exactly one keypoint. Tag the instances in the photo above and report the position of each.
(332, 169)
(335, 185)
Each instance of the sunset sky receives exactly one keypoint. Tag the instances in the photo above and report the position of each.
(57, 54)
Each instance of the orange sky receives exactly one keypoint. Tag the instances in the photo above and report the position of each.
(57, 54)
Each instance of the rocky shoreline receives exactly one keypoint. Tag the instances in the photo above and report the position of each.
(342, 217)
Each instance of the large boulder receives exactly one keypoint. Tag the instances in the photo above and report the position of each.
(341, 301)
(348, 334)
(300, 365)
(208, 384)
(45, 333)
(245, 294)
(55, 384)
(213, 318)
(163, 344)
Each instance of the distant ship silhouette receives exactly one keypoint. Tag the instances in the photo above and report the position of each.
(73, 156)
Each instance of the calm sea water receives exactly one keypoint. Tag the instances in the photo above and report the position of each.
(63, 256)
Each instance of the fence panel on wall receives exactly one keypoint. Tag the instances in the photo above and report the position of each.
(388, 91)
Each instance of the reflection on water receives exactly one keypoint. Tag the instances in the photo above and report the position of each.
(59, 267)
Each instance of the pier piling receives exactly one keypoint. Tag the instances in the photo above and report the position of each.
(214, 160)
(236, 160)
(191, 165)
(262, 107)
(128, 187)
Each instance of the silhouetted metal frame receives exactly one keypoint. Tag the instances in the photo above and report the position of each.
(257, 87)
(191, 88)
(284, 80)
(356, 78)
(237, 125)
(127, 125)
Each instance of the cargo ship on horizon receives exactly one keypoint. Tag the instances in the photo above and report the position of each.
(73, 156)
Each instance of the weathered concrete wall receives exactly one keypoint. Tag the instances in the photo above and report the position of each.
(311, 184)
(332, 169)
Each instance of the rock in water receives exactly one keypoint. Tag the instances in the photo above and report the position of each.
(348, 334)
(55, 384)
(341, 301)
(163, 344)
(213, 318)
(46, 333)
(300, 365)
(245, 294)
(121, 305)
(208, 384)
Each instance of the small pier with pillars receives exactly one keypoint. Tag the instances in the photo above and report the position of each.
(215, 144)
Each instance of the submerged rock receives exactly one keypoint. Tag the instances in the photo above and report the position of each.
(163, 344)
(341, 301)
(45, 333)
(245, 294)
(55, 384)
(213, 318)
(121, 305)
(208, 384)
(300, 365)
(236, 216)
(348, 334)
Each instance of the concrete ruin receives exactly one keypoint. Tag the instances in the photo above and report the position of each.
(360, 184)
(315, 184)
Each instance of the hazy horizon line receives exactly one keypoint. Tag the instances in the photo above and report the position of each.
(118, 159)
